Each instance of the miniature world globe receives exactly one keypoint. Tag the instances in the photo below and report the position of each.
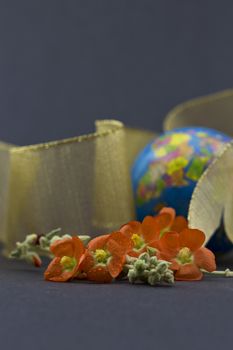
(166, 172)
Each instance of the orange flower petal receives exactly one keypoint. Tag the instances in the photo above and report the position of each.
(188, 272)
(63, 247)
(124, 242)
(163, 221)
(78, 247)
(150, 228)
(169, 243)
(170, 211)
(87, 262)
(115, 249)
(53, 269)
(54, 272)
(154, 244)
(192, 239)
(98, 242)
(179, 224)
(99, 274)
(115, 265)
(174, 265)
(205, 259)
(165, 255)
(136, 253)
(131, 227)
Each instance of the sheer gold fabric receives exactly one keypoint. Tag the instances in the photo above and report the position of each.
(83, 184)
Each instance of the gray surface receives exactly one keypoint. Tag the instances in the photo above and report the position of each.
(62, 65)
(44, 315)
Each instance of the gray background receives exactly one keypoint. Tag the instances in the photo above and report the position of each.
(65, 63)
(62, 65)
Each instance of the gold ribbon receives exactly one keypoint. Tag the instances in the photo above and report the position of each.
(83, 184)
(212, 111)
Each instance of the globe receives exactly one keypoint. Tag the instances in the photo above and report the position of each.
(167, 170)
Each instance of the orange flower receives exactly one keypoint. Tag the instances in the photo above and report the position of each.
(105, 257)
(68, 255)
(177, 223)
(147, 233)
(184, 250)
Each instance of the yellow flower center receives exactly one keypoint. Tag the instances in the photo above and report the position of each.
(137, 240)
(185, 256)
(68, 263)
(101, 255)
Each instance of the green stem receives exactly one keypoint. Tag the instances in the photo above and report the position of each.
(225, 273)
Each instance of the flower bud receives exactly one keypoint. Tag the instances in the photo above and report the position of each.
(132, 276)
(162, 267)
(140, 265)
